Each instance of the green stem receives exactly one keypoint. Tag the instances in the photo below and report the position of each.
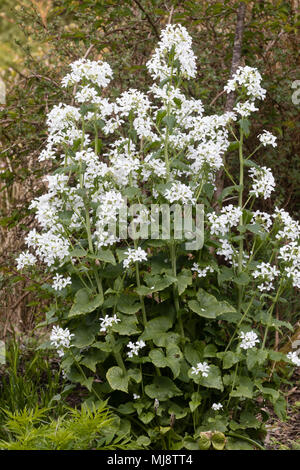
(118, 356)
(240, 322)
(83, 374)
(175, 288)
(270, 315)
(241, 244)
(247, 439)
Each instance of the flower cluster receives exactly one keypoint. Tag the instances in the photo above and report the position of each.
(98, 73)
(249, 340)
(263, 181)
(201, 368)
(60, 282)
(108, 321)
(249, 79)
(25, 259)
(266, 138)
(134, 255)
(217, 406)
(266, 274)
(221, 223)
(176, 39)
(180, 192)
(202, 272)
(60, 338)
(135, 347)
(294, 358)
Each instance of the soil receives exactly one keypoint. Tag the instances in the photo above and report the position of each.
(285, 435)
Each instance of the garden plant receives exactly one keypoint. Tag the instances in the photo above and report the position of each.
(174, 328)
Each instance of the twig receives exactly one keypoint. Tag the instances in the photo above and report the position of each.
(148, 18)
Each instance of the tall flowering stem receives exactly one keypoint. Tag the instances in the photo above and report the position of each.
(240, 203)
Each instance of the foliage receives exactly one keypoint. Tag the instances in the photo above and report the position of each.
(39, 39)
(196, 316)
(29, 378)
(92, 428)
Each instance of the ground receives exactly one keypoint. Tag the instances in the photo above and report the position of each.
(284, 435)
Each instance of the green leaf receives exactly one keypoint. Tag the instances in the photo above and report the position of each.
(104, 255)
(255, 357)
(84, 335)
(229, 359)
(157, 286)
(155, 327)
(250, 163)
(245, 126)
(85, 303)
(204, 441)
(128, 304)
(117, 379)
(146, 417)
(244, 389)
(172, 359)
(225, 275)
(208, 306)
(162, 388)
(193, 353)
(135, 374)
(247, 420)
(184, 279)
(195, 401)
(280, 407)
(237, 444)
(170, 122)
(218, 440)
(242, 279)
(92, 358)
(257, 229)
(127, 325)
(163, 339)
(78, 253)
(143, 441)
(213, 380)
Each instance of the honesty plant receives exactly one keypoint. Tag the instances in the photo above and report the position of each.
(146, 320)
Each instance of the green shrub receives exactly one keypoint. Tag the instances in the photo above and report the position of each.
(182, 344)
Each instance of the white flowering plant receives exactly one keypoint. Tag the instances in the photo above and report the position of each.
(177, 339)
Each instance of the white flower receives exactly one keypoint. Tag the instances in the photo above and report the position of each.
(201, 368)
(180, 192)
(177, 38)
(248, 340)
(136, 396)
(263, 219)
(221, 223)
(60, 282)
(202, 272)
(134, 255)
(97, 72)
(62, 116)
(263, 181)
(266, 138)
(294, 358)
(25, 259)
(291, 227)
(245, 109)
(135, 347)
(266, 274)
(107, 322)
(60, 338)
(217, 406)
(250, 79)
